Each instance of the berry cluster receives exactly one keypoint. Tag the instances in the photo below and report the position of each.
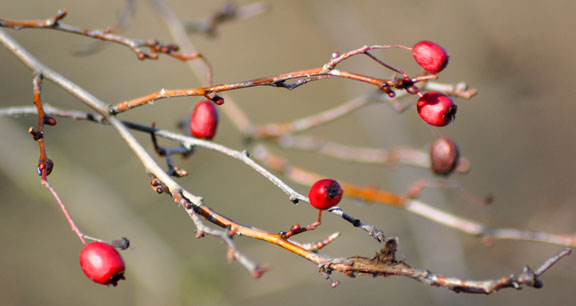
(433, 107)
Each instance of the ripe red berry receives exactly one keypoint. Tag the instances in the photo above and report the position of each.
(325, 194)
(204, 120)
(102, 263)
(436, 108)
(444, 156)
(430, 56)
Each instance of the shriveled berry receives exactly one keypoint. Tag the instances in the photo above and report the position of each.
(437, 108)
(430, 56)
(444, 156)
(102, 263)
(204, 120)
(325, 193)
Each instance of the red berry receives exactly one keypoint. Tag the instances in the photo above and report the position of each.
(102, 263)
(436, 108)
(204, 120)
(325, 194)
(430, 56)
(444, 156)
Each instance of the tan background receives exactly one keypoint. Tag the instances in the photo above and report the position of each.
(518, 134)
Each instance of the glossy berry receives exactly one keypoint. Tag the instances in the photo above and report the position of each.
(444, 156)
(204, 120)
(430, 56)
(325, 194)
(436, 108)
(102, 263)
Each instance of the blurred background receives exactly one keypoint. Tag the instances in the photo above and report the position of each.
(518, 133)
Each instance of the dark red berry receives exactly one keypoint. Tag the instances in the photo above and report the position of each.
(102, 263)
(204, 120)
(436, 108)
(430, 56)
(444, 156)
(325, 194)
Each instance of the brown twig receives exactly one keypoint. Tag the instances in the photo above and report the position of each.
(136, 46)
(298, 78)
(386, 264)
(45, 165)
(123, 20)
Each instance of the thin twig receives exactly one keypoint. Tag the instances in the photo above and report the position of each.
(124, 19)
(71, 222)
(392, 157)
(487, 232)
(386, 264)
(301, 77)
(137, 46)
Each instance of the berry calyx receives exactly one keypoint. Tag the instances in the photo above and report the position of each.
(102, 263)
(444, 156)
(325, 193)
(430, 56)
(437, 108)
(204, 120)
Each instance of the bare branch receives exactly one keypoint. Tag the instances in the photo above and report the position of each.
(484, 231)
(386, 264)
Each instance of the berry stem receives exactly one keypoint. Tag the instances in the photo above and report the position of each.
(370, 55)
(65, 211)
